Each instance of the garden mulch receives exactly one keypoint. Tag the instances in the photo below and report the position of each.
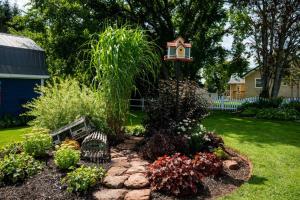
(129, 167)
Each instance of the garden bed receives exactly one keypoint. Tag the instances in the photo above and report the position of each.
(44, 185)
(47, 185)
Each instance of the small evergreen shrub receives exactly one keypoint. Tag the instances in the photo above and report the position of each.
(207, 164)
(8, 121)
(37, 142)
(13, 148)
(263, 103)
(221, 154)
(83, 178)
(17, 167)
(292, 105)
(66, 158)
(174, 175)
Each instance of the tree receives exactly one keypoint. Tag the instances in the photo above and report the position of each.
(274, 29)
(66, 26)
(7, 12)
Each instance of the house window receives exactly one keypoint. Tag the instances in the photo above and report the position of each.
(258, 83)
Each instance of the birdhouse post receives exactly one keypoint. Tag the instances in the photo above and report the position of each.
(178, 51)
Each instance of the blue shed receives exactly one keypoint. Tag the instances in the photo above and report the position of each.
(22, 68)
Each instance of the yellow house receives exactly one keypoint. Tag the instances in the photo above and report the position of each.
(250, 86)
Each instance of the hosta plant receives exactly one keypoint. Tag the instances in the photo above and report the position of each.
(174, 175)
(207, 164)
(17, 167)
(81, 179)
(66, 158)
(37, 142)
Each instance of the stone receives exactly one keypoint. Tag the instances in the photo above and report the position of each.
(114, 181)
(139, 163)
(116, 171)
(137, 181)
(138, 195)
(120, 162)
(231, 164)
(125, 146)
(136, 169)
(110, 194)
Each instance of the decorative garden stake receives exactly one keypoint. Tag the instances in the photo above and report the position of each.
(178, 51)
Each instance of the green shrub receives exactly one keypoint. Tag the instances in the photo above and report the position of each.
(278, 114)
(135, 130)
(62, 102)
(17, 167)
(66, 158)
(292, 105)
(81, 179)
(8, 121)
(13, 148)
(249, 112)
(37, 142)
(263, 103)
(221, 154)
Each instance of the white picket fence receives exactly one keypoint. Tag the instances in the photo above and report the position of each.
(219, 103)
(224, 103)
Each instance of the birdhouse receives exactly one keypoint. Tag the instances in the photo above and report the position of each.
(178, 50)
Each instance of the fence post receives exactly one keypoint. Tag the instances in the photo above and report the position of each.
(222, 102)
(143, 104)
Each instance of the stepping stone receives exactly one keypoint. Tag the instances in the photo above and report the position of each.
(125, 146)
(231, 164)
(137, 181)
(139, 163)
(116, 171)
(115, 182)
(136, 169)
(110, 194)
(138, 195)
(120, 162)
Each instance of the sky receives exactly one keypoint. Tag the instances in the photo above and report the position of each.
(226, 43)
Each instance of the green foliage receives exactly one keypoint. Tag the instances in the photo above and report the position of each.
(249, 112)
(135, 130)
(7, 12)
(12, 148)
(263, 103)
(292, 105)
(221, 154)
(17, 167)
(68, 143)
(119, 55)
(278, 114)
(37, 142)
(8, 121)
(81, 179)
(203, 140)
(174, 175)
(62, 102)
(66, 158)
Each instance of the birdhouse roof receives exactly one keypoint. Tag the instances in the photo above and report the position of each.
(177, 42)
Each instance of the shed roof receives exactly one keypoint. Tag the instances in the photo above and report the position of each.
(21, 57)
(235, 79)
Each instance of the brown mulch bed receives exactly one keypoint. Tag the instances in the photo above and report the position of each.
(42, 186)
(46, 184)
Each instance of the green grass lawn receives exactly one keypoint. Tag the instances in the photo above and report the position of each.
(11, 135)
(274, 149)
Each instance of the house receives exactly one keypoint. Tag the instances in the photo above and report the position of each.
(249, 85)
(22, 67)
(178, 50)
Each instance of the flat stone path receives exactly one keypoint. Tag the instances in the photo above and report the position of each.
(126, 178)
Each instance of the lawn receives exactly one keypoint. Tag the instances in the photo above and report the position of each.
(274, 149)
(11, 135)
